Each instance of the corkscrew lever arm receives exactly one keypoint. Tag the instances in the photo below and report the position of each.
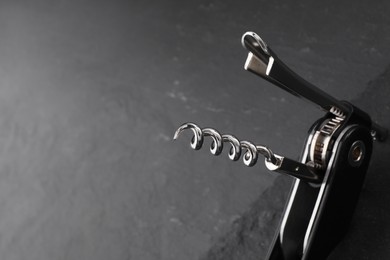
(262, 61)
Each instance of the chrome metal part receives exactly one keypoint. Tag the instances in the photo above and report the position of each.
(356, 153)
(252, 151)
(217, 145)
(197, 139)
(322, 141)
(235, 149)
(263, 62)
(296, 169)
(273, 162)
(378, 133)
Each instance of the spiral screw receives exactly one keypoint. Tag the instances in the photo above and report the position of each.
(272, 161)
(250, 157)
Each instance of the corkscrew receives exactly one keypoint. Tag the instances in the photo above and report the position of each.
(331, 169)
(273, 161)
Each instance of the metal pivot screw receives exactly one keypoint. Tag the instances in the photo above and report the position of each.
(356, 153)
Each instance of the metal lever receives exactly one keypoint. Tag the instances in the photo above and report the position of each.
(307, 172)
(262, 61)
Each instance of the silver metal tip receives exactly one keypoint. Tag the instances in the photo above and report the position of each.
(256, 41)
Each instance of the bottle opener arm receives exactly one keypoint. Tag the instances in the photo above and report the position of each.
(263, 62)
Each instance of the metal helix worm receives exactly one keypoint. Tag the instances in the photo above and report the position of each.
(250, 156)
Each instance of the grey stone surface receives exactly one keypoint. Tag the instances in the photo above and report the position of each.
(92, 91)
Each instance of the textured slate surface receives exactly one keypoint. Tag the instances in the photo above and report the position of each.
(92, 91)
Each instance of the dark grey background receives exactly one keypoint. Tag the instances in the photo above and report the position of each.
(91, 93)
